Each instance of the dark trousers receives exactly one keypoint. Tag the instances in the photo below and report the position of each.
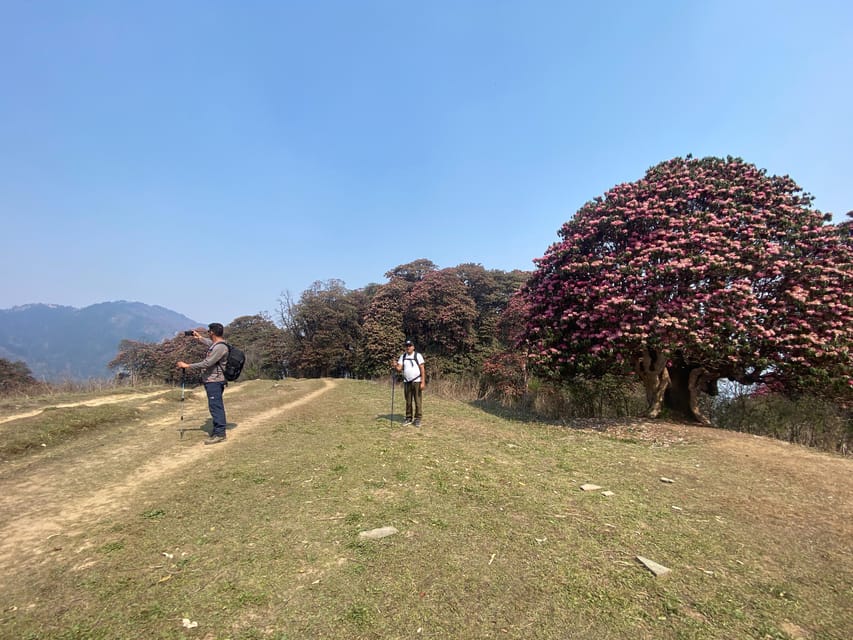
(413, 393)
(216, 406)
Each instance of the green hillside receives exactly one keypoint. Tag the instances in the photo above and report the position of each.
(117, 525)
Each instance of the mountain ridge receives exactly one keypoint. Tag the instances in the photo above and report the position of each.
(59, 342)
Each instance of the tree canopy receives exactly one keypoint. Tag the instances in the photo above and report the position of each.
(704, 269)
(16, 377)
(452, 314)
(333, 331)
(323, 329)
(263, 343)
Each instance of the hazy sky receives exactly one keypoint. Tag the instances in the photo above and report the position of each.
(206, 156)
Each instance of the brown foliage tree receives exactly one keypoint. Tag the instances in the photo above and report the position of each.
(324, 330)
(16, 377)
(263, 343)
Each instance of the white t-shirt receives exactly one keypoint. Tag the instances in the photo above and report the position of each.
(411, 369)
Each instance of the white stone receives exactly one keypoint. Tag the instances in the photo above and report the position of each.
(590, 487)
(654, 567)
(375, 534)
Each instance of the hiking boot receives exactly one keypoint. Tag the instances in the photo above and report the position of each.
(215, 440)
(407, 422)
(417, 423)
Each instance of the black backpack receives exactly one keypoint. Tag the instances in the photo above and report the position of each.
(234, 365)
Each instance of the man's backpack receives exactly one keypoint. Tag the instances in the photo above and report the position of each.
(413, 358)
(234, 364)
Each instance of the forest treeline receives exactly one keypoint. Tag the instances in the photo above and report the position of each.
(453, 315)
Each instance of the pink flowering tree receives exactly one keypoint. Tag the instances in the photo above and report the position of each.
(705, 269)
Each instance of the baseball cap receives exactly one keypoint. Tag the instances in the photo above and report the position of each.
(409, 343)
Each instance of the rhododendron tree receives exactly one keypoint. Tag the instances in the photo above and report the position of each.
(705, 269)
(383, 329)
(439, 315)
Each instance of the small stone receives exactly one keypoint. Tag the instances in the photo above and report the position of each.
(667, 480)
(376, 534)
(607, 493)
(654, 567)
(590, 487)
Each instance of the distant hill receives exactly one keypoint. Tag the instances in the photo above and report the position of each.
(62, 343)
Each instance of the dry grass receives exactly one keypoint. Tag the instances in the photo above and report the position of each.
(126, 530)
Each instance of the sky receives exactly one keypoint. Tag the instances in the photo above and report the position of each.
(210, 156)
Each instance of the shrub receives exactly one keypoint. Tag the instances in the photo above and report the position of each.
(805, 420)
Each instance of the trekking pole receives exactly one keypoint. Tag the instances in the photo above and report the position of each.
(392, 396)
(183, 380)
(183, 396)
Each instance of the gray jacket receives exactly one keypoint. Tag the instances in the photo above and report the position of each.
(213, 365)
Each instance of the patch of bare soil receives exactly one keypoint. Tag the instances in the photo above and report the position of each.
(42, 500)
(642, 430)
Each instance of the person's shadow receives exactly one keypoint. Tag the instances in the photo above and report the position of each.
(207, 427)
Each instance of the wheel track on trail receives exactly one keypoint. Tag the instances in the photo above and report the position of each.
(39, 505)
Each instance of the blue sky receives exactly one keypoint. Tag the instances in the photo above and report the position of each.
(207, 156)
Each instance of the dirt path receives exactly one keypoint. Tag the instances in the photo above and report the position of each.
(57, 496)
(87, 403)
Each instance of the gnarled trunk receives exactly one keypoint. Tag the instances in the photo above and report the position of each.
(676, 386)
(651, 367)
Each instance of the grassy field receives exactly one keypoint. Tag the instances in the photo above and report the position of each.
(116, 525)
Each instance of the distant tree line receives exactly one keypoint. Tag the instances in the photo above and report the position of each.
(452, 314)
(258, 336)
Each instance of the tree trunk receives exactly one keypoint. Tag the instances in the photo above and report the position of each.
(700, 380)
(682, 396)
(651, 367)
(677, 397)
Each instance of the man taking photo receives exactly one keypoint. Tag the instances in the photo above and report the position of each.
(213, 377)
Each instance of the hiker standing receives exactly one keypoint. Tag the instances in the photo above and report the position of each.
(411, 365)
(213, 377)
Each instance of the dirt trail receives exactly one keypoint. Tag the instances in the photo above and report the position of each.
(88, 403)
(56, 497)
